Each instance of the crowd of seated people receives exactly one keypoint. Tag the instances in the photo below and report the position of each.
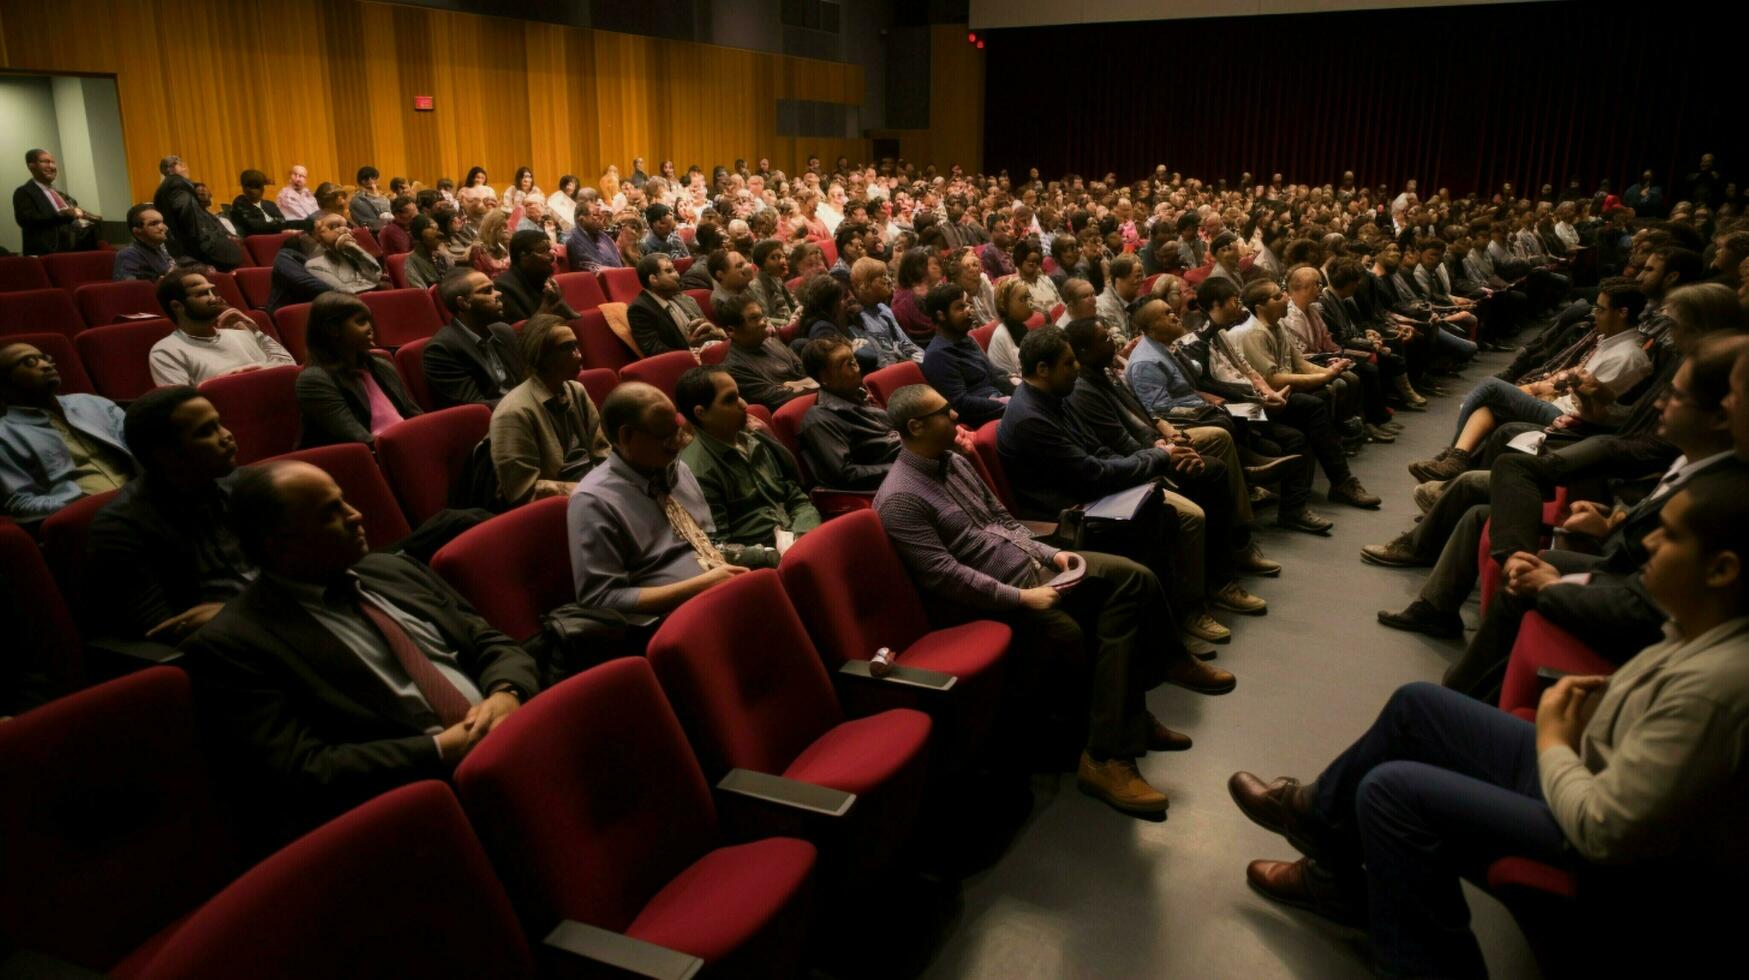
(1053, 348)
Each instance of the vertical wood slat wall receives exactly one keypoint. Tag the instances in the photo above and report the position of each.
(234, 84)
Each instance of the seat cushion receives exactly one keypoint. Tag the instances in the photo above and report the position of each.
(743, 904)
(864, 754)
(967, 651)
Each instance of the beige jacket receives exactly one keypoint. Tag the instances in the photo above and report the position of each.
(527, 452)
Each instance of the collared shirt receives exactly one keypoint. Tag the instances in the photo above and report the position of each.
(96, 467)
(140, 262)
(184, 359)
(674, 245)
(1159, 380)
(762, 371)
(338, 613)
(1269, 349)
(751, 486)
(882, 329)
(55, 198)
(848, 445)
(294, 203)
(39, 473)
(1305, 328)
(954, 536)
(620, 538)
(1618, 363)
(1114, 313)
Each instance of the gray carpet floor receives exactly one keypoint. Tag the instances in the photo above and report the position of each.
(1083, 891)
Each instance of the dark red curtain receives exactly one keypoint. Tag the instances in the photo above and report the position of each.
(1462, 97)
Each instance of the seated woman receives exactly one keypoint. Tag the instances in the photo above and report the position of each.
(1014, 304)
(348, 392)
(491, 253)
(546, 432)
(1041, 292)
(429, 261)
(917, 272)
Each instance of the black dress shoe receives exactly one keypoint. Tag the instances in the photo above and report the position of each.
(1420, 617)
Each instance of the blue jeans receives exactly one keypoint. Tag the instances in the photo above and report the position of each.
(1438, 788)
(1448, 344)
(1507, 402)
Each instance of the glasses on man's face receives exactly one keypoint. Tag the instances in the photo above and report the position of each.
(943, 410)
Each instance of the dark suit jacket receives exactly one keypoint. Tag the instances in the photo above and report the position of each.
(264, 218)
(335, 407)
(653, 328)
(1055, 463)
(520, 297)
(1623, 549)
(195, 231)
(304, 714)
(45, 229)
(142, 555)
(457, 374)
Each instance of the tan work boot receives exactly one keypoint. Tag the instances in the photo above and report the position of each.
(1119, 784)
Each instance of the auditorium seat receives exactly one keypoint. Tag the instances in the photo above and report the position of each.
(598, 382)
(112, 831)
(396, 265)
(263, 248)
(292, 322)
(115, 356)
(990, 463)
(367, 241)
(594, 810)
(582, 291)
(602, 348)
(44, 639)
(255, 284)
(1055, 315)
(514, 568)
(753, 694)
(855, 596)
(1050, 265)
(70, 270)
(713, 353)
(39, 310)
(1540, 644)
(66, 537)
(260, 408)
(1035, 321)
(396, 887)
(663, 370)
(703, 298)
(984, 334)
(74, 380)
(108, 302)
(423, 455)
(682, 264)
(21, 272)
(831, 249)
(410, 362)
(401, 315)
(226, 284)
(264, 323)
(789, 332)
(794, 284)
(355, 470)
(786, 425)
(881, 384)
(620, 285)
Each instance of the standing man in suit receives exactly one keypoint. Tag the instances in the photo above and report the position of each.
(664, 318)
(195, 232)
(340, 674)
(475, 358)
(52, 221)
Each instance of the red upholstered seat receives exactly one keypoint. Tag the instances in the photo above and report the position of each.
(595, 810)
(663, 370)
(108, 302)
(293, 323)
(59, 346)
(582, 290)
(1541, 644)
(786, 425)
(226, 284)
(831, 249)
(682, 264)
(397, 887)
(65, 535)
(620, 285)
(396, 265)
(367, 241)
(410, 362)
(514, 568)
(353, 468)
(70, 270)
(263, 248)
(402, 315)
(1517, 872)
(109, 831)
(44, 637)
(703, 298)
(881, 384)
(116, 356)
(255, 284)
(713, 353)
(602, 348)
(423, 455)
(598, 382)
(983, 334)
(260, 408)
(19, 272)
(39, 311)
(990, 464)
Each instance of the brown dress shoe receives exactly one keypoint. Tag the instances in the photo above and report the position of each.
(1251, 562)
(1233, 598)
(1399, 553)
(1118, 783)
(1279, 807)
(1193, 674)
(1304, 885)
(1163, 739)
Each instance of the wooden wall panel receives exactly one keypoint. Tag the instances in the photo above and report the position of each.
(234, 84)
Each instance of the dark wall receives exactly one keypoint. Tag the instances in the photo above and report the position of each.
(1458, 96)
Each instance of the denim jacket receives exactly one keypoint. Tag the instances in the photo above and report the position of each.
(36, 468)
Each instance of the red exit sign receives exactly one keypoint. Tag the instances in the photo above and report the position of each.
(424, 103)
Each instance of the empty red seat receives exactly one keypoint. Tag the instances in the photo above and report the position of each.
(598, 382)
(582, 290)
(663, 370)
(594, 810)
(262, 248)
(1540, 644)
(602, 348)
(397, 887)
(74, 380)
(260, 408)
(111, 830)
(402, 315)
(39, 311)
(396, 265)
(881, 384)
(410, 361)
(514, 568)
(226, 284)
(108, 302)
(256, 285)
(703, 298)
(620, 285)
(983, 334)
(44, 638)
(115, 356)
(293, 322)
(423, 455)
(353, 468)
(18, 272)
(70, 270)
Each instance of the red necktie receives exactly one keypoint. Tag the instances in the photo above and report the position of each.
(55, 198)
(450, 705)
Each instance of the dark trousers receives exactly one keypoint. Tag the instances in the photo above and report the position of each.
(1451, 533)
(1212, 491)
(1277, 439)
(1436, 790)
(1520, 482)
(1119, 615)
(1309, 415)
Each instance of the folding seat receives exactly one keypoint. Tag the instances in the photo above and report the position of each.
(423, 455)
(226, 284)
(367, 241)
(682, 264)
(263, 248)
(990, 463)
(44, 638)
(740, 670)
(1540, 644)
(410, 362)
(713, 353)
(353, 468)
(984, 334)
(1148, 283)
(66, 535)
(620, 285)
(260, 408)
(255, 285)
(598, 382)
(39, 311)
(881, 384)
(293, 322)
(397, 268)
(582, 290)
(514, 568)
(663, 370)
(402, 316)
(115, 356)
(794, 284)
(264, 323)
(1056, 314)
(74, 380)
(20, 272)
(853, 593)
(1035, 321)
(397, 887)
(109, 830)
(593, 810)
(111, 302)
(789, 332)
(1050, 265)
(703, 298)
(70, 270)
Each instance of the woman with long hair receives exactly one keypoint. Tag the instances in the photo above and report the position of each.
(521, 188)
(348, 392)
(491, 254)
(1014, 306)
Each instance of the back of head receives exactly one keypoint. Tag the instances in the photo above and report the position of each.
(1705, 307)
(1710, 368)
(147, 427)
(1686, 263)
(1121, 266)
(1041, 347)
(1214, 291)
(817, 355)
(819, 297)
(329, 313)
(696, 389)
(537, 340)
(1258, 292)
(257, 507)
(626, 407)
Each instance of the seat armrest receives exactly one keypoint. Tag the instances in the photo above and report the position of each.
(578, 950)
(781, 791)
(1041, 529)
(113, 655)
(913, 677)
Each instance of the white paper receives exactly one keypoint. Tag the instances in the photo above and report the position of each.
(1250, 411)
(1528, 442)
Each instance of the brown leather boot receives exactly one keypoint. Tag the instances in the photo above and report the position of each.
(1119, 784)
(1303, 884)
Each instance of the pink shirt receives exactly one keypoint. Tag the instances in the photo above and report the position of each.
(382, 411)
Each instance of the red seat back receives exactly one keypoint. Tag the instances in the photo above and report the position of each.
(703, 298)
(588, 797)
(260, 408)
(66, 537)
(293, 323)
(109, 831)
(108, 302)
(20, 272)
(353, 468)
(990, 464)
(402, 315)
(582, 290)
(397, 267)
(70, 270)
(852, 590)
(226, 284)
(255, 284)
(881, 384)
(44, 637)
(423, 455)
(419, 899)
(367, 241)
(682, 264)
(983, 334)
(514, 568)
(39, 311)
(831, 249)
(263, 248)
(739, 668)
(116, 356)
(74, 380)
(602, 348)
(620, 285)
(663, 370)
(598, 382)
(410, 361)
(786, 423)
